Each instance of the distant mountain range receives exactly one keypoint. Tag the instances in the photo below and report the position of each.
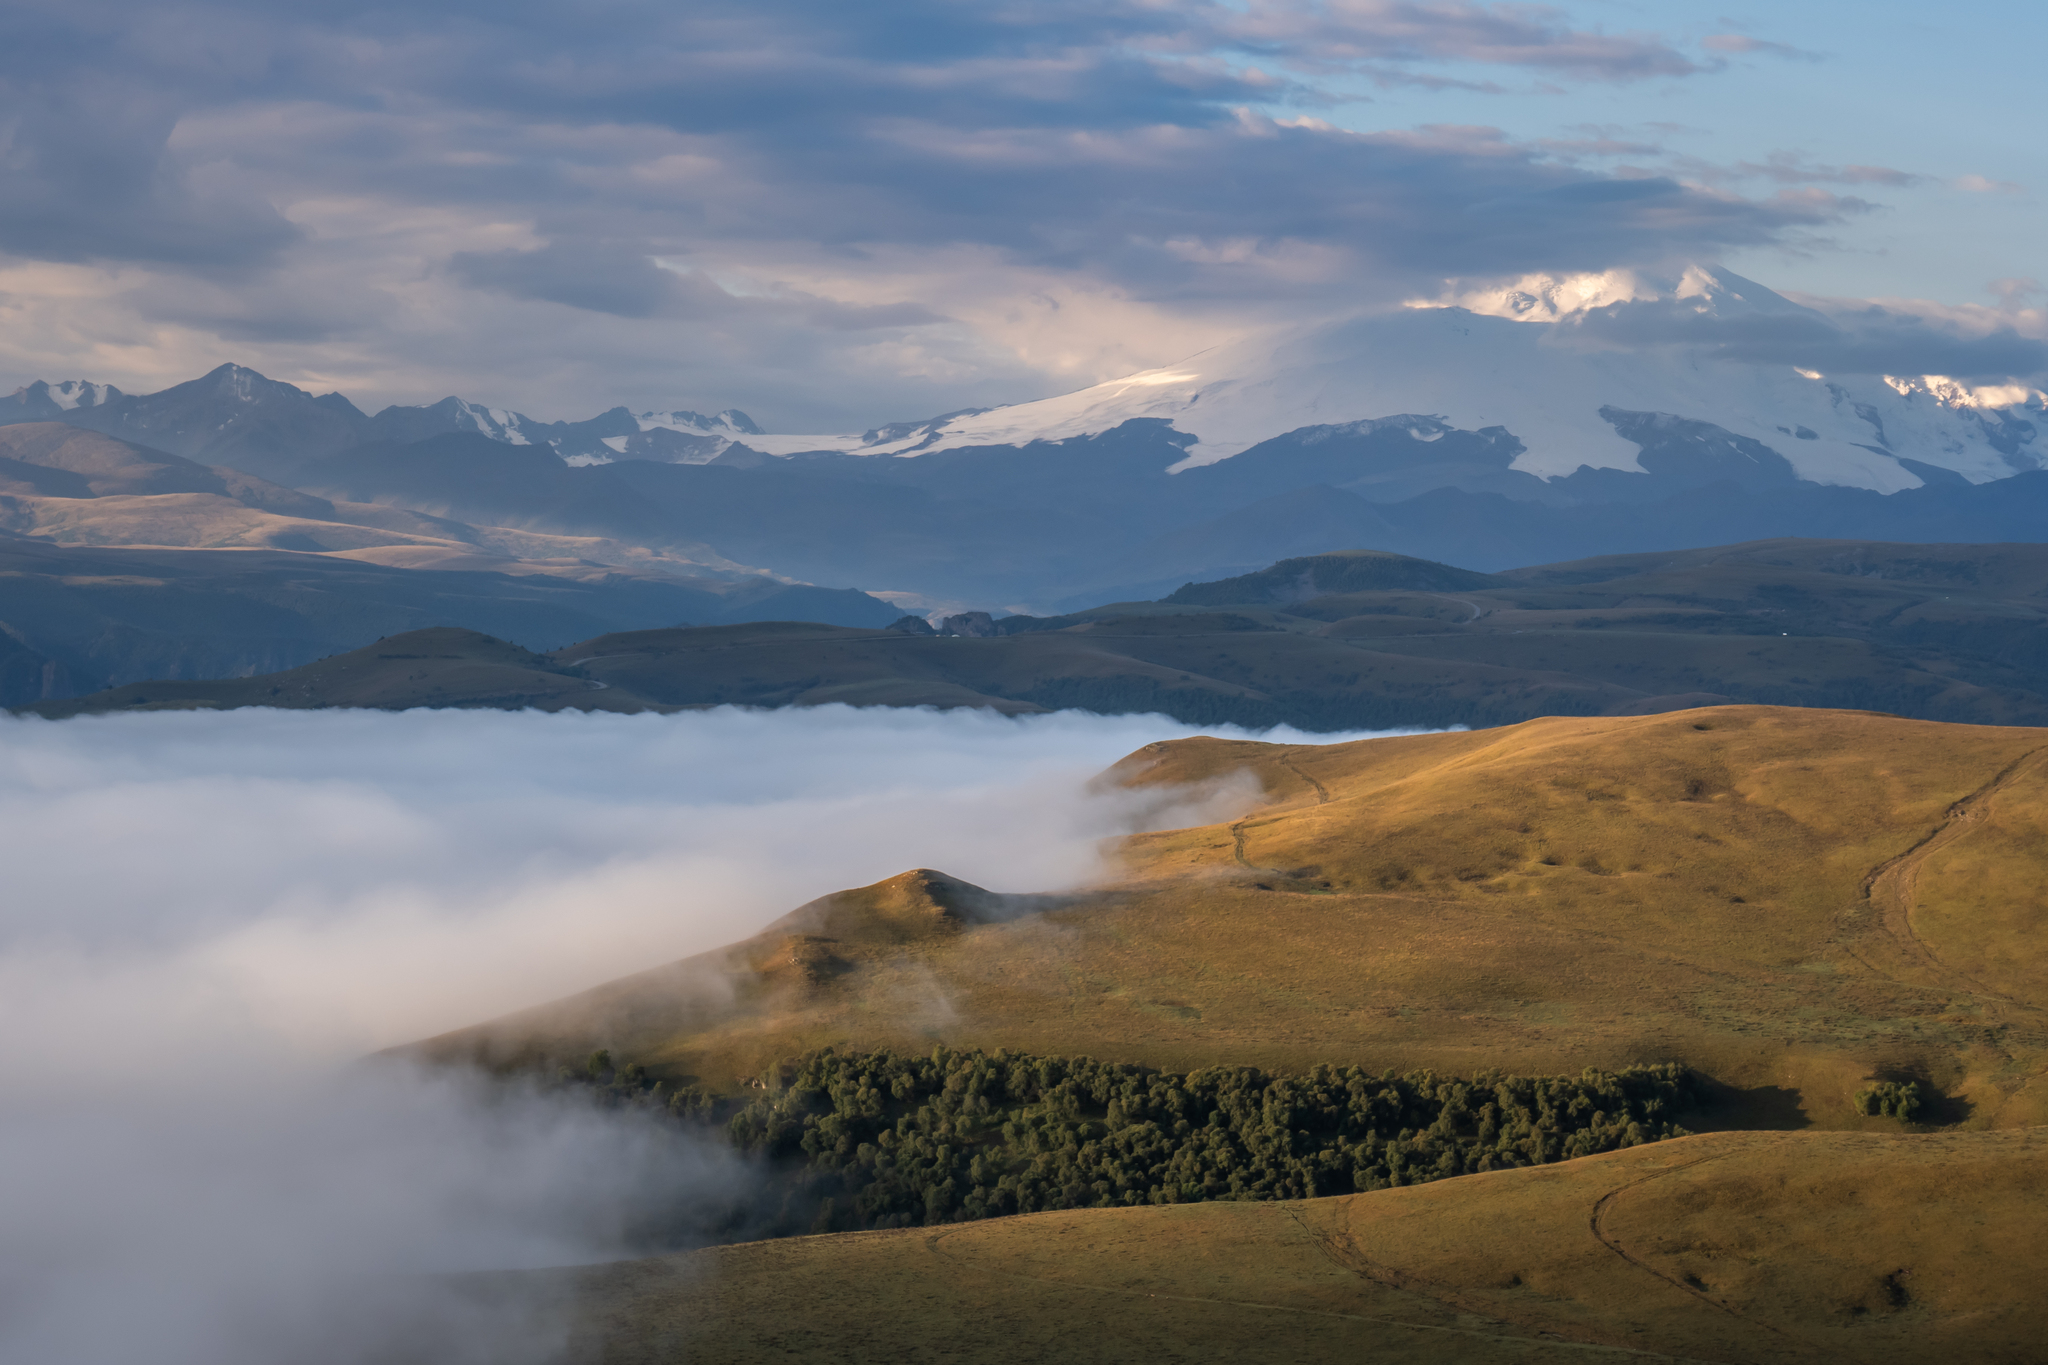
(118, 562)
(1467, 434)
(236, 416)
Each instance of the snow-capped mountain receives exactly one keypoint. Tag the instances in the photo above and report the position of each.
(49, 402)
(678, 437)
(233, 415)
(1511, 359)
(1550, 420)
(1519, 358)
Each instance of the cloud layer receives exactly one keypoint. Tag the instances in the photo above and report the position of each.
(835, 215)
(211, 918)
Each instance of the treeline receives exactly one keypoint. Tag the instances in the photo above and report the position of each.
(885, 1139)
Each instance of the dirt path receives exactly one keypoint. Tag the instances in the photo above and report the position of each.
(1597, 1225)
(1237, 830)
(1890, 887)
(1322, 792)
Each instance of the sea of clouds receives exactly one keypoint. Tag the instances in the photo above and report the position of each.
(211, 919)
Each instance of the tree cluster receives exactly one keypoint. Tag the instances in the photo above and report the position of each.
(1890, 1099)
(886, 1139)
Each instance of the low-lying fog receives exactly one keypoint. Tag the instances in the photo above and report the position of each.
(208, 919)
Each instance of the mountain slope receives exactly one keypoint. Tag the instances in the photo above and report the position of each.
(78, 619)
(438, 666)
(1790, 901)
(1568, 400)
(1951, 632)
(1753, 1247)
(1488, 432)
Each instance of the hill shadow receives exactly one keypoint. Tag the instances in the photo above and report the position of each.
(1736, 1109)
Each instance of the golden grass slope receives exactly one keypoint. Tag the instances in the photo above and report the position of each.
(1792, 901)
(1757, 1248)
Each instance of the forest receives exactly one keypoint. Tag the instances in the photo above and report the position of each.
(884, 1139)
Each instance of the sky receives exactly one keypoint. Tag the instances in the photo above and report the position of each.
(834, 216)
(212, 918)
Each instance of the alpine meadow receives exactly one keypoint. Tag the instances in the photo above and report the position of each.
(1045, 684)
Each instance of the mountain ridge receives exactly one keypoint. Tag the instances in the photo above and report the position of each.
(1492, 432)
(1361, 641)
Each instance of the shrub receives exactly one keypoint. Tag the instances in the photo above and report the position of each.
(1889, 1099)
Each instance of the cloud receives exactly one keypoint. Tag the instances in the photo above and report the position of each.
(605, 277)
(1331, 33)
(602, 277)
(211, 918)
(86, 173)
(1850, 337)
(1978, 184)
(243, 1207)
(863, 205)
(1742, 45)
(1790, 168)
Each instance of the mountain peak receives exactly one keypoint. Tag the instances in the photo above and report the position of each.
(1711, 290)
(44, 399)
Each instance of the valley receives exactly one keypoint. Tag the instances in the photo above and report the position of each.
(1279, 682)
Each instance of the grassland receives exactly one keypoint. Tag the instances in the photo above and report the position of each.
(1797, 904)
(1793, 902)
(1755, 1248)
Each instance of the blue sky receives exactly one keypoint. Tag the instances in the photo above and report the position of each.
(834, 216)
(1941, 94)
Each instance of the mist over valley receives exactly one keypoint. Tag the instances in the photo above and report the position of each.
(1274, 681)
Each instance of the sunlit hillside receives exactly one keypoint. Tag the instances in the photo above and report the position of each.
(1798, 904)
(1758, 1248)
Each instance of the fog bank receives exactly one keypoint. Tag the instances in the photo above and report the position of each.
(212, 916)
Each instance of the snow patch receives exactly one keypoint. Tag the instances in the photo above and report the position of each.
(78, 393)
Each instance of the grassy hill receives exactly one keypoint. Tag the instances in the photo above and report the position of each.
(1954, 633)
(1795, 903)
(1753, 1247)
(1800, 905)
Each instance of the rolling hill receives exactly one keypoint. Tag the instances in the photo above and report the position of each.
(1731, 1248)
(1792, 902)
(74, 619)
(1373, 640)
(1796, 904)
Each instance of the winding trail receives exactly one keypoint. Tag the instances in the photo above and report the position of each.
(1890, 887)
(1322, 792)
(1597, 1225)
(1237, 829)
